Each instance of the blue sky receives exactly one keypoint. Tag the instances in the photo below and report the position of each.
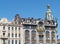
(29, 8)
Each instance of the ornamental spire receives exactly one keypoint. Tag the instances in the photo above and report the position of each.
(48, 8)
(49, 15)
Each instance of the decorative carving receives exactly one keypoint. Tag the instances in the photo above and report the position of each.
(39, 29)
(17, 19)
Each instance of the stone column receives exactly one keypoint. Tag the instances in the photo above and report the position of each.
(30, 37)
(50, 38)
(56, 38)
(6, 41)
(37, 37)
(44, 33)
(18, 32)
(14, 32)
(22, 35)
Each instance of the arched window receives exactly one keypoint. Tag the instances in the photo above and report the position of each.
(47, 37)
(53, 37)
(26, 31)
(33, 36)
(53, 34)
(27, 37)
(47, 34)
(41, 37)
(33, 32)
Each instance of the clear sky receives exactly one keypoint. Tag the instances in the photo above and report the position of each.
(29, 8)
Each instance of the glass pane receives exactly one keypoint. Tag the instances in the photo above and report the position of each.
(8, 41)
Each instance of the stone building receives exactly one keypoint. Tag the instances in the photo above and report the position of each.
(29, 30)
(58, 41)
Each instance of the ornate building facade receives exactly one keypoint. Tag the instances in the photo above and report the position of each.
(29, 30)
(58, 42)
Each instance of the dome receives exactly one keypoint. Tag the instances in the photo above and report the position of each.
(4, 20)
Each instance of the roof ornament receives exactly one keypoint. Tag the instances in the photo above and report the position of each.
(48, 6)
(49, 15)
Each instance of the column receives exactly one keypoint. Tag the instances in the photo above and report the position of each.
(44, 37)
(14, 41)
(14, 34)
(6, 41)
(50, 37)
(17, 32)
(22, 35)
(37, 37)
(30, 37)
(56, 38)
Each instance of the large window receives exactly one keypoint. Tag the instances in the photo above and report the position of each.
(12, 28)
(47, 37)
(19, 41)
(12, 41)
(47, 34)
(8, 41)
(12, 35)
(33, 37)
(3, 27)
(33, 32)
(15, 28)
(18, 28)
(26, 31)
(41, 37)
(19, 34)
(27, 37)
(15, 41)
(15, 34)
(53, 35)
(8, 27)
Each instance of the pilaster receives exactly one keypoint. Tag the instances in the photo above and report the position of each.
(22, 35)
(44, 37)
